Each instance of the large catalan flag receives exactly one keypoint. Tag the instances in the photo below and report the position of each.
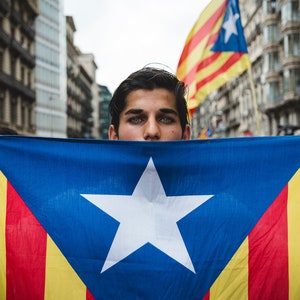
(215, 51)
(203, 219)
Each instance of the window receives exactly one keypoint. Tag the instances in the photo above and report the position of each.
(13, 110)
(13, 66)
(292, 45)
(23, 74)
(290, 12)
(271, 33)
(269, 6)
(291, 81)
(298, 117)
(23, 114)
(47, 77)
(272, 92)
(12, 30)
(29, 124)
(29, 79)
(272, 62)
(48, 55)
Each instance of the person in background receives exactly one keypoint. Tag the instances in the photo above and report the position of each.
(149, 105)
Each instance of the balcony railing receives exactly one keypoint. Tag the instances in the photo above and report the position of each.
(23, 89)
(4, 6)
(17, 85)
(30, 59)
(28, 30)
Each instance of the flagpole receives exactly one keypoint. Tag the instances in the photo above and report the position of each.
(258, 126)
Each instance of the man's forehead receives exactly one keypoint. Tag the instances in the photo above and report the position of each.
(156, 96)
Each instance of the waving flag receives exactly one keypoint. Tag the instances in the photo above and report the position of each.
(203, 219)
(215, 51)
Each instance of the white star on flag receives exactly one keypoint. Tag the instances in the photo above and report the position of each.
(147, 216)
(230, 25)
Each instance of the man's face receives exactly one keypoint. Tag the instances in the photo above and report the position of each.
(150, 116)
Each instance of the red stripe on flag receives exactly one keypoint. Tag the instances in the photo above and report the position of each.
(207, 296)
(202, 32)
(268, 253)
(209, 60)
(190, 77)
(212, 39)
(25, 250)
(234, 58)
(89, 296)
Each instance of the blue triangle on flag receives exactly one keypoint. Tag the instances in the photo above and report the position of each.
(231, 37)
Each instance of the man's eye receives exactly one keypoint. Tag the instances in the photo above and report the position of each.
(135, 120)
(166, 120)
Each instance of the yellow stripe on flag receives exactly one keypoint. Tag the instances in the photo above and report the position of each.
(198, 54)
(62, 282)
(3, 197)
(214, 66)
(206, 14)
(194, 65)
(294, 235)
(239, 67)
(232, 283)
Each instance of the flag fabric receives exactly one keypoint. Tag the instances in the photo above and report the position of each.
(215, 51)
(201, 219)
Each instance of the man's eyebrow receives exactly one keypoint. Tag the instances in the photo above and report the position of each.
(133, 111)
(136, 111)
(169, 111)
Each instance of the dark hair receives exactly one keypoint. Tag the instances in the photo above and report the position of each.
(148, 79)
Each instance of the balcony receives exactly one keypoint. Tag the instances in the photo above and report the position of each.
(15, 17)
(12, 83)
(23, 53)
(28, 30)
(76, 115)
(5, 79)
(4, 7)
(73, 133)
(233, 123)
(33, 4)
(17, 85)
(291, 61)
(291, 96)
(272, 76)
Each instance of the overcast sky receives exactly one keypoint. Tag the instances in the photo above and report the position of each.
(125, 35)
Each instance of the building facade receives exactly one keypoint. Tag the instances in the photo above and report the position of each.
(104, 117)
(87, 61)
(17, 62)
(81, 90)
(272, 32)
(50, 71)
(282, 63)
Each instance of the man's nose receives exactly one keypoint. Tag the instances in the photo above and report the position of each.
(152, 131)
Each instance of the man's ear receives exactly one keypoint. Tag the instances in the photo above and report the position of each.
(187, 132)
(112, 134)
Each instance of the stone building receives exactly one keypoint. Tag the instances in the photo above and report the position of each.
(17, 63)
(81, 90)
(104, 117)
(272, 32)
(50, 70)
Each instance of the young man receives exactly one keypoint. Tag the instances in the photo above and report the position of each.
(149, 105)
